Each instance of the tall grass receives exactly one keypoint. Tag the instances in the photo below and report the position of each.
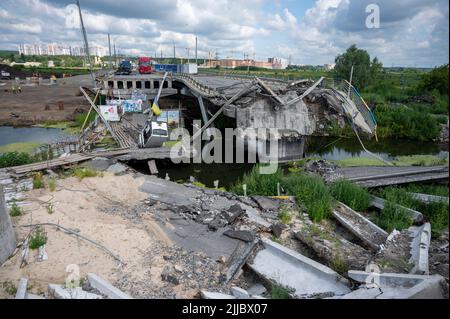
(312, 192)
(393, 217)
(351, 194)
(436, 213)
(258, 184)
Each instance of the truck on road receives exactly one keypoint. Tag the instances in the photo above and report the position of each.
(145, 65)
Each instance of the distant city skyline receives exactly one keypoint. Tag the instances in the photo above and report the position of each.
(59, 49)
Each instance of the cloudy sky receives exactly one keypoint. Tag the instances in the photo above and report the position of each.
(411, 32)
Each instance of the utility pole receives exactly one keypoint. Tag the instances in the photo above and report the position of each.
(109, 44)
(115, 55)
(86, 44)
(196, 61)
(174, 56)
(188, 55)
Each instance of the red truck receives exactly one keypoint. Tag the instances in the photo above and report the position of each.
(145, 65)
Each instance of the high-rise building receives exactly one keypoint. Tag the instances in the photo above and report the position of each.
(58, 49)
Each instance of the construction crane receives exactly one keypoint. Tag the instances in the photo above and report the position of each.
(86, 46)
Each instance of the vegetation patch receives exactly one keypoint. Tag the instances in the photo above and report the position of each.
(83, 172)
(15, 159)
(37, 238)
(52, 184)
(351, 194)
(9, 287)
(312, 192)
(22, 147)
(359, 161)
(15, 210)
(285, 216)
(393, 217)
(38, 181)
(420, 160)
(280, 292)
(258, 184)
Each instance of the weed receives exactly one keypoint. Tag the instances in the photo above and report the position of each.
(393, 217)
(50, 208)
(38, 180)
(276, 239)
(284, 216)
(350, 194)
(15, 210)
(83, 172)
(9, 287)
(52, 184)
(339, 264)
(38, 238)
(279, 292)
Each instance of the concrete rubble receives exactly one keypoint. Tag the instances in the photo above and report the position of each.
(288, 268)
(7, 235)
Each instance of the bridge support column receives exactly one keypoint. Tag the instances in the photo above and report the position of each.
(202, 109)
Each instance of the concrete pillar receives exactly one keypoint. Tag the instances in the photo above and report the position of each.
(7, 235)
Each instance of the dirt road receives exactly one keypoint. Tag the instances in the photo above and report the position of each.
(39, 104)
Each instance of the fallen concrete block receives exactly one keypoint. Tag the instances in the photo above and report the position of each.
(7, 235)
(400, 286)
(416, 216)
(22, 288)
(61, 292)
(291, 269)
(238, 258)
(257, 289)
(425, 198)
(117, 169)
(215, 295)
(372, 235)
(240, 293)
(105, 287)
(421, 239)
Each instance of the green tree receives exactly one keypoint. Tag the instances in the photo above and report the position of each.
(364, 70)
(435, 80)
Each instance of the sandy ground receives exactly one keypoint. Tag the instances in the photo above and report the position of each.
(28, 107)
(78, 206)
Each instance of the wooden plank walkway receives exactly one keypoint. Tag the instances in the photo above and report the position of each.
(387, 175)
(123, 138)
(60, 161)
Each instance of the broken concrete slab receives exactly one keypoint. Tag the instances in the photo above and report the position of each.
(369, 233)
(277, 229)
(238, 258)
(98, 163)
(333, 248)
(257, 289)
(22, 288)
(421, 239)
(117, 169)
(7, 235)
(402, 286)
(305, 276)
(425, 198)
(239, 293)
(105, 288)
(61, 292)
(215, 295)
(416, 216)
(33, 296)
(244, 235)
(168, 274)
(267, 203)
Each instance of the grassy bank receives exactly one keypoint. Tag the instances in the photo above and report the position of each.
(22, 147)
(411, 160)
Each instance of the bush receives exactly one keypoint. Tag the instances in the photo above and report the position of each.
(15, 158)
(312, 192)
(15, 210)
(284, 216)
(38, 180)
(38, 238)
(279, 292)
(350, 194)
(259, 184)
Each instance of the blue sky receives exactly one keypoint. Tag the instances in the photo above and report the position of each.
(411, 33)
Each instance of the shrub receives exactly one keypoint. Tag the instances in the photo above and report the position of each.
(350, 194)
(259, 184)
(15, 210)
(15, 158)
(38, 180)
(284, 216)
(312, 192)
(38, 238)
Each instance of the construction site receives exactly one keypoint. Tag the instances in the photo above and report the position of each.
(104, 214)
